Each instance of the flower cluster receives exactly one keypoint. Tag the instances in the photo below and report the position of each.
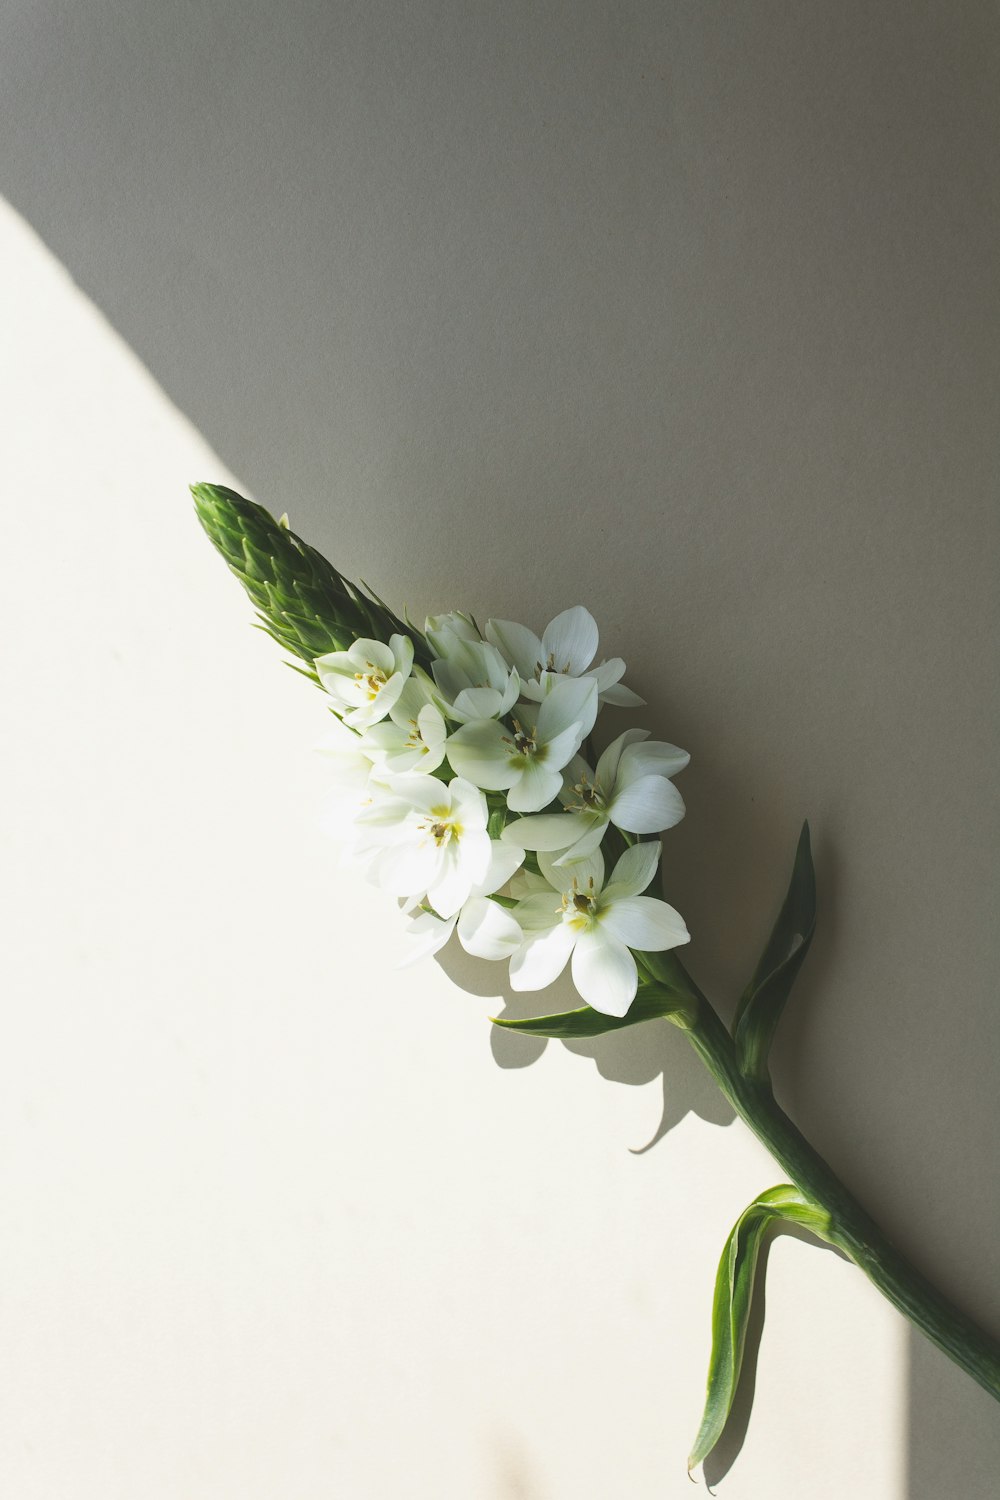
(468, 790)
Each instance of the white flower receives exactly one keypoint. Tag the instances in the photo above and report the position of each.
(474, 678)
(429, 839)
(413, 737)
(527, 764)
(345, 750)
(355, 784)
(368, 679)
(485, 929)
(630, 788)
(567, 647)
(594, 925)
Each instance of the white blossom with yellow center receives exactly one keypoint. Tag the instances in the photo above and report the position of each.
(428, 840)
(571, 916)
(526, 760)
(366, 680)
(630, 788)
(413, 737)
(566, 648)
(485, 928)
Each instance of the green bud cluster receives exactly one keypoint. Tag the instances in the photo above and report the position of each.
(303, 602)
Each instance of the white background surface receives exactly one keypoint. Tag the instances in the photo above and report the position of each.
(689, 315)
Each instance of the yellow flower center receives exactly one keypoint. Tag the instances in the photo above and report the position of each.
(579, 908)
(441, 826)
(524, 741)
(374, 680)
(591, 797)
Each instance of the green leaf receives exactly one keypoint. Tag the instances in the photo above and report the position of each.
(652, 1003)
(734, 1284)
(763, 1000)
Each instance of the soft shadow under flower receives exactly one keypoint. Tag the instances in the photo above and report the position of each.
(635, 1055)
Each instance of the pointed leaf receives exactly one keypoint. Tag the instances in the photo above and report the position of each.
(763, 1001)
(734, 1284)
(652, 1003)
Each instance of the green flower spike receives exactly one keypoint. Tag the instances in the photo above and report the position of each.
(303, 602)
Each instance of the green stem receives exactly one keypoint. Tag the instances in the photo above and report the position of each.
(852, 1228)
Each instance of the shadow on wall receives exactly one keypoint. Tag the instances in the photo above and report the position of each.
(692, 318)
(948, 1440)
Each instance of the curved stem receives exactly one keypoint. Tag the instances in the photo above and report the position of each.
(852, 1228)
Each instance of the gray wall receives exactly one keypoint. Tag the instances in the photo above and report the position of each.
(686, 311)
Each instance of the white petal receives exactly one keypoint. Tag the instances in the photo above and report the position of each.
(537, 786)
(505, 861)
(402, 650)
(336, 663)
(511, 692)
(475, 851)
(607, 673)
(604, 972)
(526, 883)
(654, 758)
(486, 930)
(570, 641)
(371, 710)
(571, 700)
(477, 751)
(468, 804)
(431, 727)
(452, 884)
(547, 831)
(645, 923)
(389, 695)
(519, 645)
(589, 840)
(410, 869)
(342, 687)
(563, 747)
(448, 679)
(622, 697)
(634, 870)
(425, 794)
(541, 960)
(540, 910)
(424, 936)
(387, 738)
(563, 877)
(431, 758)
(439, 628)
(573, 775)
(607, 766)
(477, 703)
(365, 653)
(405, 758)
(531, 688)
(386, 813)
(480, 665)
(417, 693)
(647, 806)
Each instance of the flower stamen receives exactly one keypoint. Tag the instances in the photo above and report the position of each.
(374, 679)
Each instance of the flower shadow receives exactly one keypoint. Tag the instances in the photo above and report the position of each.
(634, 1055)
